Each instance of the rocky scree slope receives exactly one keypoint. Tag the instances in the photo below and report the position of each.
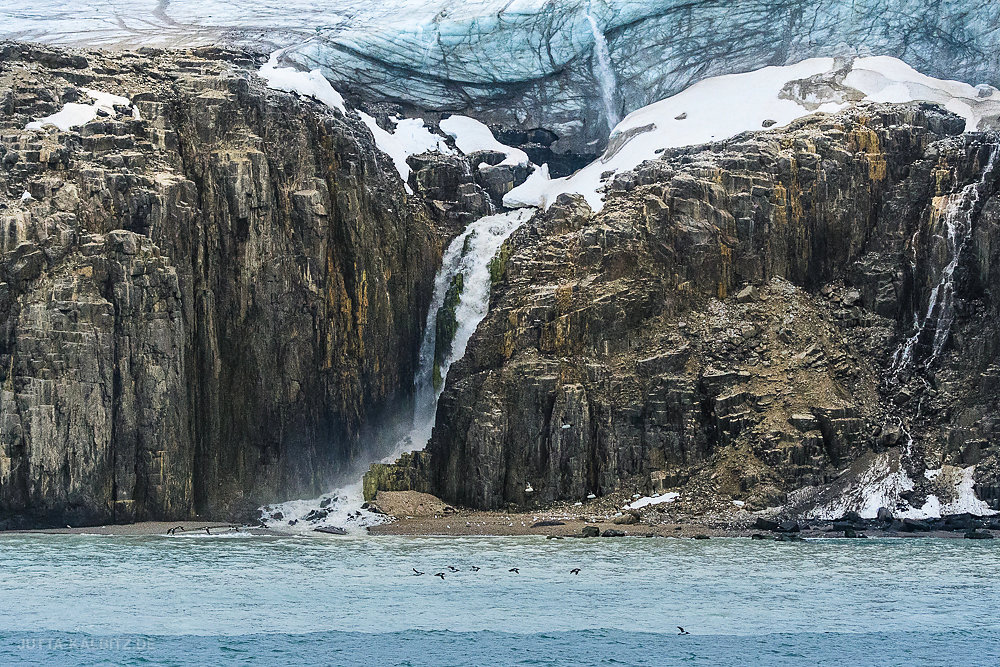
(206, 300)
(726, 327)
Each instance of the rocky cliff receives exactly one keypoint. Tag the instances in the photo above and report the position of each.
(734, 325)
(207, 300)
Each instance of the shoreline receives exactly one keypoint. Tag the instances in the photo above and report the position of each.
(488, 524)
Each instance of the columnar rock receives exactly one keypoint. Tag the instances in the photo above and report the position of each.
(206, 302)
(727, 324)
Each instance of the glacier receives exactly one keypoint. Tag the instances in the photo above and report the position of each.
(532, 63)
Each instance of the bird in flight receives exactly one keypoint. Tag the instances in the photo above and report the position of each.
(417, 572)
(682, 631)
(453, 568)
(514, 570)
(440, 574)
(575, 570)
(475, 569)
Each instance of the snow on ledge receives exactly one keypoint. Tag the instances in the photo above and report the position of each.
(721, 107)
(74, 114)
(310, 84)
(471, 135)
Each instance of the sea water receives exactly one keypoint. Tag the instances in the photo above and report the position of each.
(303, 600)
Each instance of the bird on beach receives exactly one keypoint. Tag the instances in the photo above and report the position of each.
(440, 574)
(475, 569)
(453, 568)
(208, 530)
(575, 570)
(682, 631)
(417, 572)
(514, 570)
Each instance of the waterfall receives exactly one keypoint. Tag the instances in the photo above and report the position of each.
(957, 214)
(605, 74)
(467, 260)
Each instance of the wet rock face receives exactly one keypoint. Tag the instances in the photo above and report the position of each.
(728, 322)
(202, 307)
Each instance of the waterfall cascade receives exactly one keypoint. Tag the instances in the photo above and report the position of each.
(957, 215)
(467, 259)
(605, 74)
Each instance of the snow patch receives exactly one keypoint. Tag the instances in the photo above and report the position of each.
(721, 107)
(310, 84)
(884, 482)
(668, 497)
(471, 135)
(411, 137)
(74, 114)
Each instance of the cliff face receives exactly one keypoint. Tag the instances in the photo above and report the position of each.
(205, 302)
(731, 324)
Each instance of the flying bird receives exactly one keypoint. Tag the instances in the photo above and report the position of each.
(440, 574)
(682, 631)
(417, 572)
(453, 568)
(475, 569)
(575, 570)
(514, 570)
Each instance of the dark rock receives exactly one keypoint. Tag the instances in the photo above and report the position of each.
(612, 532)
(331, 530)
(789, 526)
(976, 535)
(884, 515)
(788, 537)
(591, 531)
(701, 536)
(914, 526)
(543, 524)
(765, 524)
(758, 536)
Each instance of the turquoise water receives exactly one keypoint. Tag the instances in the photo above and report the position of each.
(334, 601)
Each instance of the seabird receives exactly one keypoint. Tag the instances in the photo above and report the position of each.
(682, 631)
(475, 569)
(208, 530)
(453, 568)
(417, 572)
(440, 574)
(514, 570)
(575, 570)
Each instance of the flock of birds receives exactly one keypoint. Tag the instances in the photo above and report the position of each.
(452, 569)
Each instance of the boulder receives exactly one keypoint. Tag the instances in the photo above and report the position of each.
(591, 531)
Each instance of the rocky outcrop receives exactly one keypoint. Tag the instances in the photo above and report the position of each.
(207, 301)
(727, 324)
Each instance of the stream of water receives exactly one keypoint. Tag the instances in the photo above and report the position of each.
(956, 219)
(468, 256)
(605, 73)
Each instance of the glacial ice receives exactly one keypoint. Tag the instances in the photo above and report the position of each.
(533, 62)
